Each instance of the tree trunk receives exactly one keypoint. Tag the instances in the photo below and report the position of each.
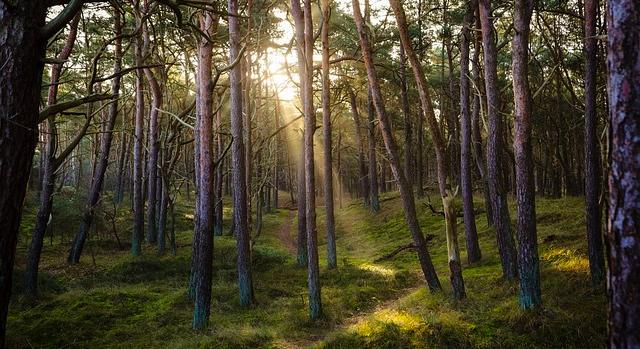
(326, 133)
(313, 269)
(466, 184)
(476, 109)
(406, 193)
(138, 147)
(441, 161)
(623, 45)
(202, 257)
(49, 168)
(374, 199)
(506, 245)
(22, 51)
(404, 101)
(591, 150)
(105, 149)
(298, 17)
(528, 262)
(239, 176)
(362, 169)
(218, 207)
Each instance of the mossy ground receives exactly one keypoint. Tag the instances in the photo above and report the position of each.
(114, 300)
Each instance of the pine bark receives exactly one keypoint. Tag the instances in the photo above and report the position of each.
(138, 148)
(313, 269)
(202, 256)
(623, 61)
(528, 261)
(473, 248)
(332, 261)
(506, 245)
(406, 194)
(238, 161)
(593, 175)
(105, 148)
(362, 166)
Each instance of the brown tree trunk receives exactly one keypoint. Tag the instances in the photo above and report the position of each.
(374, 199)
(466, 184)
(326, 133)
(362, 167)
(202, 257)
(138, 147)
(25, 35)
(105, 149)
(506, 245)
(238, 160)
(528, 262)
(406, 193)
(298, 17)
(592, 164)
(475, 121)
(313, 275)
(623, 45)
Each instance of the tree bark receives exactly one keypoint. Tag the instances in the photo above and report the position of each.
(25, 35)
(623, 61)
(298, 17)
(138, 147)
(239, 176)
(49, 168)
(473, 248)
(476, 109)
(406, 193)
(374, 199)
(506, 245)
(592, 164)
(105, 149)
(326, 133)
(528, 261)
(202, 257)
(446, 195)
(313, 269)
(362, 167)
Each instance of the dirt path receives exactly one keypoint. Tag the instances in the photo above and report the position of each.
(284, 233)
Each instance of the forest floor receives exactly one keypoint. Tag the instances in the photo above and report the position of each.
(114, 300)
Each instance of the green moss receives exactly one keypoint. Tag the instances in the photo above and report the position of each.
(124, 301)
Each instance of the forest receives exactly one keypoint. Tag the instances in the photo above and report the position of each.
(319, 174)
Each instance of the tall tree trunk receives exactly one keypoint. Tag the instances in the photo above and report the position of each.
(49, 169)
(298, 17)
(202, 257)
(218, 207)
(404, 101)
(362, 169)
(313, 268)
(473, 248)
(528, 262)
(332, 261)
(374, 199)
(25, 36)
(591, 150)
(446, 195)
(506, 245)
(154, 150)
(623, 45)
(302, 220)
(239, 177)
(406, 193)
(476, 109)
(138, 147)
(105, 149)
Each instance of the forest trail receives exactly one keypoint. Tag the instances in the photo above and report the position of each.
(284, 233)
